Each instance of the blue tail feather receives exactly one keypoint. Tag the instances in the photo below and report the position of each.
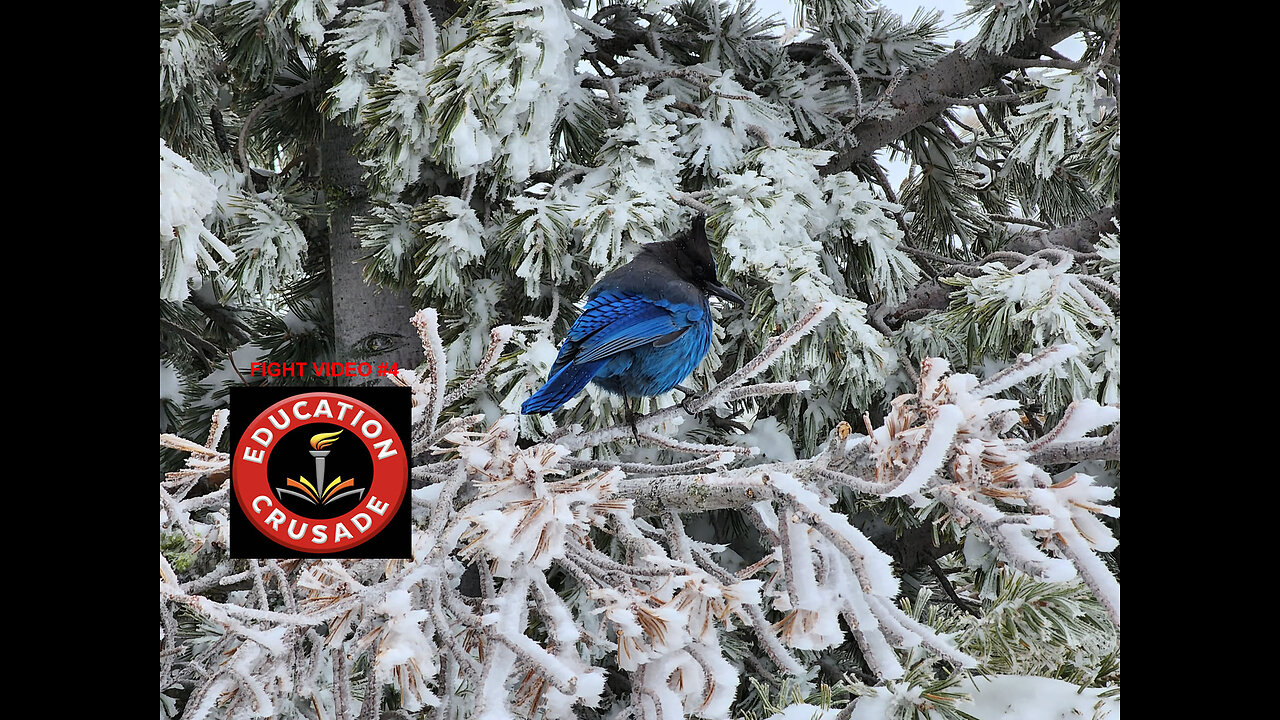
(568, 382)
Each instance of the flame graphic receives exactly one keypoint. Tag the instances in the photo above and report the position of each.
(324, 440)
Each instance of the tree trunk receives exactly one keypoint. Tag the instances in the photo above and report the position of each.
(370, 324)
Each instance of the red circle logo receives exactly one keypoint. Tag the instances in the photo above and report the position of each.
(320, 472)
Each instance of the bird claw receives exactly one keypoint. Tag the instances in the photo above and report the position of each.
(631, 419)
(716, 421)
(687, 400)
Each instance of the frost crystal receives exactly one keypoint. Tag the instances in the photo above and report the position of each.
(187, 196)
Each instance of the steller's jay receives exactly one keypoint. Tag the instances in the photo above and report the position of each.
(646, 325)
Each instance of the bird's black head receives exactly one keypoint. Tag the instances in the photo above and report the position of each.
(695, 261)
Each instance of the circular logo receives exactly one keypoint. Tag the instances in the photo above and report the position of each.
(320, 472)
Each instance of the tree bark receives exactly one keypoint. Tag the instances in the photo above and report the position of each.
(1078, 236)
(370, 323)
(923, 95)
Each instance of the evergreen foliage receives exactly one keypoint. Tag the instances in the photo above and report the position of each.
(489, 160)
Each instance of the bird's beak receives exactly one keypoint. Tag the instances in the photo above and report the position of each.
(715, 288)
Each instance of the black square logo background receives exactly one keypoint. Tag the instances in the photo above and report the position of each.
(247, 541)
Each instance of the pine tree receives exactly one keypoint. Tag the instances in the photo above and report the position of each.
(900, 477)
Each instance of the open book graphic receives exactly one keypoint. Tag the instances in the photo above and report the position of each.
(336, 490)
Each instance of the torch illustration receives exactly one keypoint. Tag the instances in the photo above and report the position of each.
(318, 444)
(318, 494)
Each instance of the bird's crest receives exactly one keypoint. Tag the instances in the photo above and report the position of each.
(695, 244)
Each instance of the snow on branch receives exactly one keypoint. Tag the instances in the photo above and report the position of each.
(536, 570)
(428, 325)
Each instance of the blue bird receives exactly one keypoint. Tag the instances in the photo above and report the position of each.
(645, 327)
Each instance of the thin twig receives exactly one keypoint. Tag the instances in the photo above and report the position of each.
(1020, 221)
(982, 118)
(643, 468)
(835, 56)
(1098, 283)
(1105, 58)
(242, 143)
(950, 589)
(468, 187)
(927, 255)
(689, 201)
(594, 29)
(427, 324)
(888, 91)
(988, 100)
(1039, 62)
(426, 31)
(498, 339)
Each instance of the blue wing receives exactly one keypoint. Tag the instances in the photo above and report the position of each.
(611, 323)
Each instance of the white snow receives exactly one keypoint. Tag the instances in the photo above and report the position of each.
(934, 453)
(774, 441)
(1000, 697)
(367, 43)
(1016, 697)
(187, 196)
(170, 388)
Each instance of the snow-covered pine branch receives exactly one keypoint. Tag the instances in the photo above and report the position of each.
(557, 609)
(328, 169)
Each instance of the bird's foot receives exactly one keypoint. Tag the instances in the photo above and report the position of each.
(725, 423)
(686, 403)
(631, 419)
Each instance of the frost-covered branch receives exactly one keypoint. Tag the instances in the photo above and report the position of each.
(491, 160)
(498, 339)
(427, 325)
(657, 602)
(426, 31)
(1078, 236)
(1103, 448)
(920, 97)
